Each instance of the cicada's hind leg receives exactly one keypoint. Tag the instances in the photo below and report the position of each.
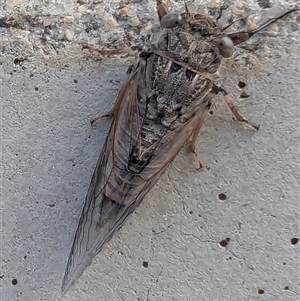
(235, 112)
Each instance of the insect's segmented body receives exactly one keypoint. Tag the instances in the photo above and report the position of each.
(161, 105)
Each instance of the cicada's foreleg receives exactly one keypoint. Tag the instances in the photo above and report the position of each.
(166, 19)
(235, 112)
(161, 9)
(243, 36)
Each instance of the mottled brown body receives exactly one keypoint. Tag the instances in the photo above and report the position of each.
(159, 108)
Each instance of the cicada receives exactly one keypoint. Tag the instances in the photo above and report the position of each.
(161, 106)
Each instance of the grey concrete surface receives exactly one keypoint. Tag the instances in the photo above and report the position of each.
(183, 242)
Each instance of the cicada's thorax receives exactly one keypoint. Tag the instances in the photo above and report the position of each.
(176, 75)
(198, 24)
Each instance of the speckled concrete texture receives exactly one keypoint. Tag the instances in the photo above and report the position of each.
(228, 232)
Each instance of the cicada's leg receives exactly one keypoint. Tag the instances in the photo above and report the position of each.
(193, 142)
(110, 114)
(108, 53)
(235, 112)
(166, 19)
(161, 9)
(115, 107)
(243, 36)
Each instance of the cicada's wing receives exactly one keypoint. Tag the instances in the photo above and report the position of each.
(99, 212)
(119, 183)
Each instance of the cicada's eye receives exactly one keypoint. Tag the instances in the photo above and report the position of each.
(170, 20)
(226, 47)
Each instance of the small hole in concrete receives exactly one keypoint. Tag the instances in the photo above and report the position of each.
(211, 112)
(242, 85)
(160, 115)
(36, 88)
(260, 291)
(120, 253)
(191, 212)
(222, 197)
(75, 81)
(286, 287)
(223, 243)
(14, 282)
(145, 264)
(294, 240)
(244, 95)
(17, 61)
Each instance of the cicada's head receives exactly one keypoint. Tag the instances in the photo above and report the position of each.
(202, 27)
(207, 30)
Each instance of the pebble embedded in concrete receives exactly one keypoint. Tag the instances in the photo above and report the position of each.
(69, 35)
